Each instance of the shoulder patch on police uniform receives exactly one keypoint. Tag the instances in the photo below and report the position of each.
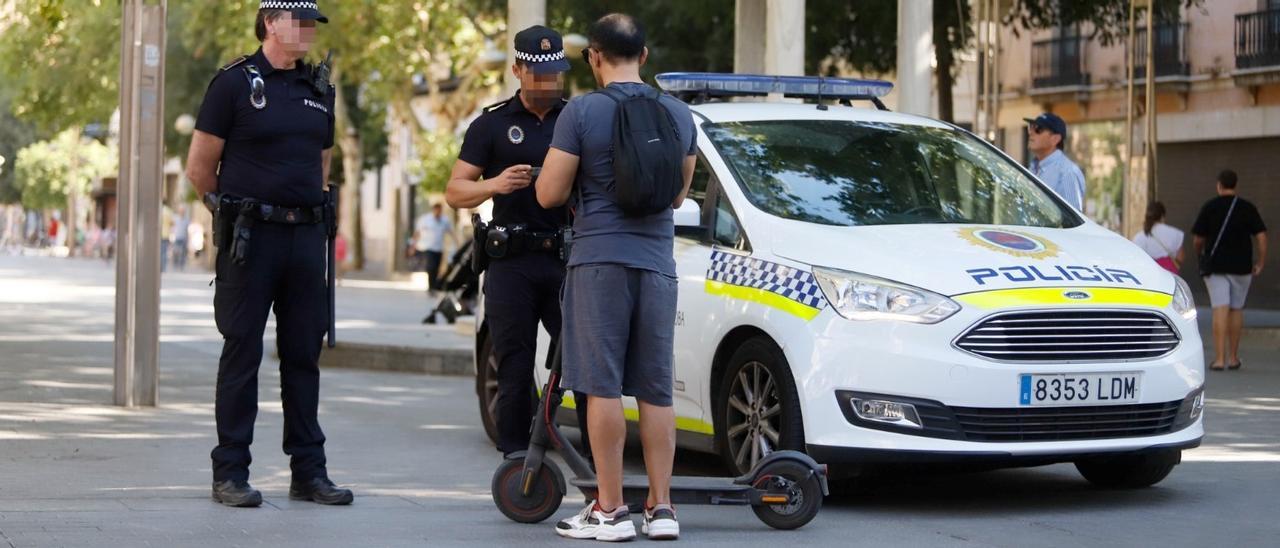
(234, 62)
(497, 105)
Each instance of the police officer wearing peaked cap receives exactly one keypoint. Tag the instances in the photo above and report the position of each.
(499, 153)
(260, 157)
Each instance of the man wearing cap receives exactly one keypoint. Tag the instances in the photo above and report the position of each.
(260, 158)
(500, 152)
(1046, 138)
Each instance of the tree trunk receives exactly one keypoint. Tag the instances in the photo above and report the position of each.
(945, 56)
(350, 223)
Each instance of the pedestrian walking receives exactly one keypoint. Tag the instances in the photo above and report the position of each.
(260, 158)
(1161, 241)
(180, 232)
(429, 233)
(1225, 233)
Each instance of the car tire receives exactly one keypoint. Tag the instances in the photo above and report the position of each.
(487, 388)
(740, 418)
(1129, 471)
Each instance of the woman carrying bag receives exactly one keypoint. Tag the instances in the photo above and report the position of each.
(1161, 241)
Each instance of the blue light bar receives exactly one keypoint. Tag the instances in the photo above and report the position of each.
(714, 84)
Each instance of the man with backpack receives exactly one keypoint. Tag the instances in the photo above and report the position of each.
(631, 150)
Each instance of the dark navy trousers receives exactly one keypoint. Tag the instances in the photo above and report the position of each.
(285, 271)
(520, 293)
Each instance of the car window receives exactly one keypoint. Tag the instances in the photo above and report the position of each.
(847, 173)
(728, 231)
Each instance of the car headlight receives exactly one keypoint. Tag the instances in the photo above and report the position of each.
(1183, 304)
(862, 297)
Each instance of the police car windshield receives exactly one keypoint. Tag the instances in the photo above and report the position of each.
(846, 173)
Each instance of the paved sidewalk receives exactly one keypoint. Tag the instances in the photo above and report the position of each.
(76, 471)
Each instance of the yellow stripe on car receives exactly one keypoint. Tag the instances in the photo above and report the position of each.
(760, 296)
(1058, 296)
(687, 424)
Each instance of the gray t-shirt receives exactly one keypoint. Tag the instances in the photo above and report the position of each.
(602, 232)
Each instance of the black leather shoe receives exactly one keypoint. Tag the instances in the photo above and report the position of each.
(321, 491)
(236, 493)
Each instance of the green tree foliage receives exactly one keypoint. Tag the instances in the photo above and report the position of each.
(62, 68)
(47, 172)
(682, 36)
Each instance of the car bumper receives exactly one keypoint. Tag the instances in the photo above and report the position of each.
(918, 364)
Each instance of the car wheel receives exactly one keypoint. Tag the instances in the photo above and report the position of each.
(1129, 471)
(487, 388)
(758, 411)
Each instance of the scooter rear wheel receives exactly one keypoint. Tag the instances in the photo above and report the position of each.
(543, 500)
(805, 493)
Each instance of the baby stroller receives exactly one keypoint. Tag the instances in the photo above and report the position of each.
(458, 287)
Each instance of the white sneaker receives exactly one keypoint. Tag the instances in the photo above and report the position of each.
(593, 523)
(660, 523)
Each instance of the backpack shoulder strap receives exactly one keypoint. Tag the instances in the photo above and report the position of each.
(617, 95)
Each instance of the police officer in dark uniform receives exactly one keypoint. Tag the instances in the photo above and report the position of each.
(260, 158)
(499, 156)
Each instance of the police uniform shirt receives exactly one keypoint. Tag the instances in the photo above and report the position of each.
(271, 154)
(507, 134)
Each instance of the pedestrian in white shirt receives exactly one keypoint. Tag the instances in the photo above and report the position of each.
(428, 242)
(1161, 241)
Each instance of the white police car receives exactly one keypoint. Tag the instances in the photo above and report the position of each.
(874, 287)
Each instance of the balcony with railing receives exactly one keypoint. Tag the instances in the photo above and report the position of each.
(1058, 64)
(1170, 45)
(1258, 40)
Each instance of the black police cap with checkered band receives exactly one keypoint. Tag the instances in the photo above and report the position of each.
(300, 10)
(541, 49)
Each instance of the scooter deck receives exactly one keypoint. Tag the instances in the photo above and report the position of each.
(684, 490)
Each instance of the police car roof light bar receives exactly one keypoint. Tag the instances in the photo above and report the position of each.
(694, 85)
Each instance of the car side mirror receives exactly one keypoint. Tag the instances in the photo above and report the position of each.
(689, 215)
(688, 220)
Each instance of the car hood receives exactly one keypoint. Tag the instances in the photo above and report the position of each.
(959, 259)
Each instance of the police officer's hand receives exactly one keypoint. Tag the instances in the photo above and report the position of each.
(512, 179)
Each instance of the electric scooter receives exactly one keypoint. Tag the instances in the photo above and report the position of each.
(784, 489)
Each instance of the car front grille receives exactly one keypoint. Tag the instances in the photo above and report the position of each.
(1095, 335)
(1066, 423)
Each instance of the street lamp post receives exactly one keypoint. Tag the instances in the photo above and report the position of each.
(137, 327)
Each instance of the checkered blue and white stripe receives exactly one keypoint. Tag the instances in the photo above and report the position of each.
(540, 58)
(277, 5)
(792, 283)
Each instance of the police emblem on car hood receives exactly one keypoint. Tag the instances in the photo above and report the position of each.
(1018, 244)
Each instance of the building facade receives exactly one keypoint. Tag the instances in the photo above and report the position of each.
(1217, 85)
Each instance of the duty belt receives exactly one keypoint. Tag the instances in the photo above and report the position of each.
(268, 213)
(536, 241)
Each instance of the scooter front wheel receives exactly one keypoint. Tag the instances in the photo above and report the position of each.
(803, 489)
(543, 499)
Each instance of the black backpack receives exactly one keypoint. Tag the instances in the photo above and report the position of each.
(648, 159)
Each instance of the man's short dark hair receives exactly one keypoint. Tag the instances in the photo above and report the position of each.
(1227, 179)
(617, 36)
(260, 27)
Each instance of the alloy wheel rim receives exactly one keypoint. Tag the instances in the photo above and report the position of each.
(754, 415)
(491, 385)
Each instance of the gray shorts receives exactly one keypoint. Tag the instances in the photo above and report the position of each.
(1228, 289)
(619, 332)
